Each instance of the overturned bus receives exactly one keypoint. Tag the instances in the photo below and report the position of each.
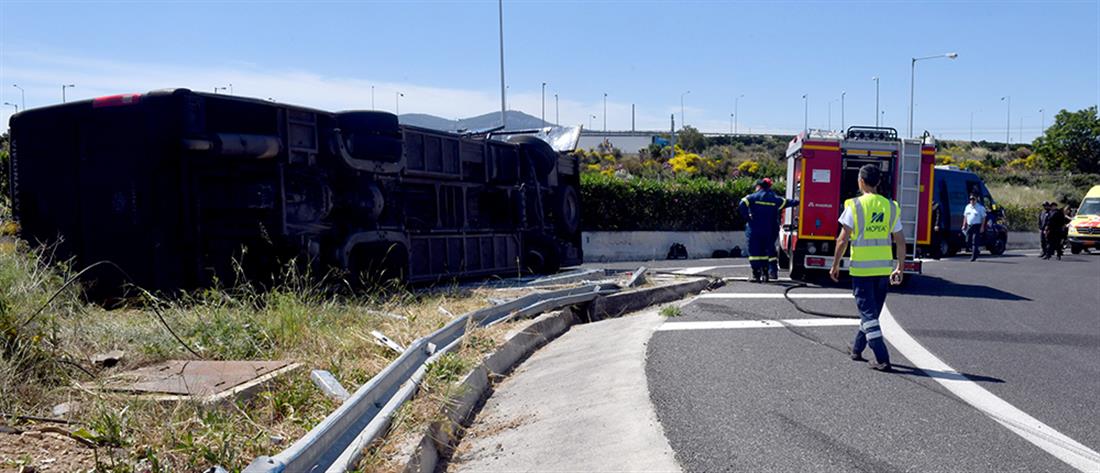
(183, 189)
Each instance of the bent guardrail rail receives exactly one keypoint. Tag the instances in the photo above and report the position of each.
(337, 442)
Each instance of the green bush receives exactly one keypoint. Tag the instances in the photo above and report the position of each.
(611, 203)
(1021, 219)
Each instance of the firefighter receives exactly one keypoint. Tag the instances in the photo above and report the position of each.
(760, 210)
(870, 223)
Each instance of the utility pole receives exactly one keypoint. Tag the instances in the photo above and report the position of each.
(875, 78)
(1008, 118)
(500, 17)
(543, 104)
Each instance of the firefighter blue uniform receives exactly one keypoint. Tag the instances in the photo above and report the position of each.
(760, 210)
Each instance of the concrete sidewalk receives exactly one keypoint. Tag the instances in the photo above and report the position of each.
(580, 403)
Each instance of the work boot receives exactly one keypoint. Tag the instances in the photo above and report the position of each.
(855, 356)
(875, 365)
(773, 275)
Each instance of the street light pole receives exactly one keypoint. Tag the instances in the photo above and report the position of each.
(500, 17)
(605, 112)
(590, 118)
(63, 87)
(971, 127)
(736, 117)
(557, 117)
(230, 88)
(731, 127)
(683, 122)
(1008, 117)
(842, 94)
(543, 104)
(806, 112)
(372, 97)
(13, 105)
(1042, 123)
(875, 78)
(912, 79)
(397, 102)
(22, 95)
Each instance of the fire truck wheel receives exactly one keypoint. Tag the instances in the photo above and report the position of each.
(544, 158)
(568, 211)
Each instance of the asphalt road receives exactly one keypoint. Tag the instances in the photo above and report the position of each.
(787, 398)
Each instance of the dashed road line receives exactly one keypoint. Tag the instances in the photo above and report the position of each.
(1031, 429)
(743, 324)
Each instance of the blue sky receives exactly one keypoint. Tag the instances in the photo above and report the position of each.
(443, 56)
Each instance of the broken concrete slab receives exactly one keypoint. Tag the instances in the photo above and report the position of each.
(207, 381)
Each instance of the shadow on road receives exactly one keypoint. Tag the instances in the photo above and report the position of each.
(927, 373)
(926, 285)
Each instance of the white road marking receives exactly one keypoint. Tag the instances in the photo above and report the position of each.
(746, 278)
(1031, 429)
(703, 269)
(774, 295)
(738, 324)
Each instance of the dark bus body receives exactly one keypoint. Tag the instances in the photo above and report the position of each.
(184, 190)
(953, 188)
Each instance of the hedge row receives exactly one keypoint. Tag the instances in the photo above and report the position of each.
(1022, 219)
(611, 203)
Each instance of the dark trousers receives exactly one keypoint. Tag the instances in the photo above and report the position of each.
(973, 239)
(870, 293)
(762, 256)
(1044, 242)
(1054, 244)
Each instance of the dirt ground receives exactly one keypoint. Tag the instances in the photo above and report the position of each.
(45, 451)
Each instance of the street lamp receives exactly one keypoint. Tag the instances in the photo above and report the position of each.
(1008, 117)
(731, 129)
(1042, 124)
(543, 104)
(397, 102)
(557, 118)
(735, 117)
(682, 122)
(875, 78)
(13, 105)
(230, 88)
(590, 118)
(63, 87)
(842, 94)
(372, 97)
(216, 89)
(22, 95)
(605, 111)
(912, 78)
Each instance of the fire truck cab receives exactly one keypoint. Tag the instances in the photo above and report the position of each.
(823, 172)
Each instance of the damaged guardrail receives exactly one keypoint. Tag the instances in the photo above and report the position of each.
(337, 442)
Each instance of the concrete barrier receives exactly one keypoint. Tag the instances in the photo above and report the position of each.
(603, 247)
(1023, 240)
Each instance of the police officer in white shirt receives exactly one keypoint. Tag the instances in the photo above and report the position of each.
(974, 225)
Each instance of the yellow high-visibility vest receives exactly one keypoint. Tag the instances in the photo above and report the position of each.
(873, 217)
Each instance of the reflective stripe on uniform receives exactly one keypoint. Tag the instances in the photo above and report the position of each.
(874, 334)
(882, 263)
(758, 258)
(773, 258)
(872, 242)
(870, 324)
(761, 202)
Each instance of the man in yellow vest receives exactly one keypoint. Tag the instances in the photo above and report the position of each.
(870, 223)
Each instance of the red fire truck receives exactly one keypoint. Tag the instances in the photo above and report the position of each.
(823, 172)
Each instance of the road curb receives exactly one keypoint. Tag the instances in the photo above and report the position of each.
(443, 436)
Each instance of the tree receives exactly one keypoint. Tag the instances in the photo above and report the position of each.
(1072, 143)
(691, 140)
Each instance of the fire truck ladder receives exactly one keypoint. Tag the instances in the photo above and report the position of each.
(909, 189)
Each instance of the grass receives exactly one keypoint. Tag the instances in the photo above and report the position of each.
(1020, 196)
(671, 311)
(44, 358)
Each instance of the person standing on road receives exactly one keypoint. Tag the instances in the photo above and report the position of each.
(1056, 231)
(1044, 216)
(869, 224)
(760, 210)
(974, 225)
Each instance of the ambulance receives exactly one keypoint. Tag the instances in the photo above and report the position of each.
(823, 172)
(1084, 229)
